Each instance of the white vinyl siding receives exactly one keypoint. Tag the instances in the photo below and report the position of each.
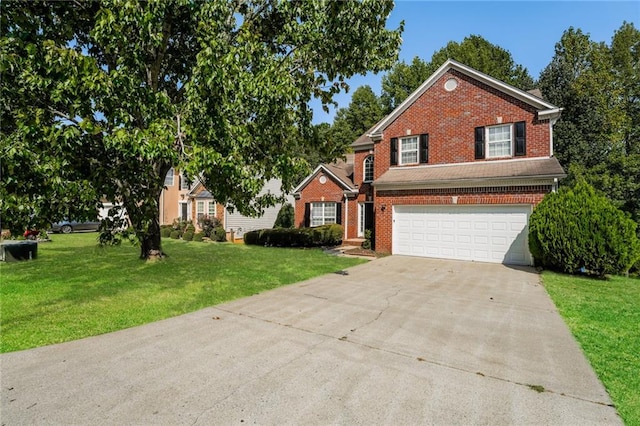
(409, 150)
(240, 224)
(323, 213)
(499, 141)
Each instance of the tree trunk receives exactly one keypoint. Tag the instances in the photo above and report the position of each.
(151, 242)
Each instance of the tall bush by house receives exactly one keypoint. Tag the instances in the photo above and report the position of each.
(576, 230)
(286, 217)
(208, 224)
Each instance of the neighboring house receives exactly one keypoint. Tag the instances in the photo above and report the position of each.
(453, 172)
(186, 200)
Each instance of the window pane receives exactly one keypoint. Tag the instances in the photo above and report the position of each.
(409, 150)
(368, 169)
(168, 179)
(323, 213)
(499, 141)
(212, 208)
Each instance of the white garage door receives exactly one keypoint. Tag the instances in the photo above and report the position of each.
(497, 234)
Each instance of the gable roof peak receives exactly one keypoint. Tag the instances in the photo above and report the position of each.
(545, 109)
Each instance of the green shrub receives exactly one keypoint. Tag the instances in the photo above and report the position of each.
(187, 236)
(219, 234)
(198, 236)
(576, 230)
(190, 228)
(326, 235)
(368, 237)
(175, 235)
(286, 217)
(181, 225)
(165, 232)
(208, 224)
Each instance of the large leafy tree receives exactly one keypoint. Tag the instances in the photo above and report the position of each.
(103, 98)
(598, 134)
(474, 51)
(363, 112)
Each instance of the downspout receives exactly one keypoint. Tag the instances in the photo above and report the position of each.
(346, 216)
(551, 123)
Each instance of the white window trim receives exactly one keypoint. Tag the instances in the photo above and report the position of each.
(184, 183)
(486, 138)
(361, 220)
(401, 151)
(180, 204)
(209, 204)
(368, 158)
(169, 177)
(324, 218)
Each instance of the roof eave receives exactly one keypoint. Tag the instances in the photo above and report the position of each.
(540, 104)
(473, 182)
(307, 180)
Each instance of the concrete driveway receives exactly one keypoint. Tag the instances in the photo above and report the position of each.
(399, 340)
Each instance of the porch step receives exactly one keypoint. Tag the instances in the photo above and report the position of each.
(353, 242)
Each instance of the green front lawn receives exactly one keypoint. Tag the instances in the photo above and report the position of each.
(604, 316)
(77, 289)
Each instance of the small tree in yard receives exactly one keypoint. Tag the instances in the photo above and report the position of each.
(286, 217)
(576, 230)
(102, 98)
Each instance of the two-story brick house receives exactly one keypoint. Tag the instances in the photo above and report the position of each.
(453, 172)
(184, 200)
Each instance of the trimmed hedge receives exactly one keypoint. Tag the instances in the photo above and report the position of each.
(198, 236)
(325, 235)
(187, 236)
(578, 231)
(175, 235)
(165, 232)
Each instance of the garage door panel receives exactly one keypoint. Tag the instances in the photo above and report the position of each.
(481, 233)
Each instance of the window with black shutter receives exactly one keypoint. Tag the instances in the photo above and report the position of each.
(394, 151)
(521, 138)
(424, 148)
(479, 146)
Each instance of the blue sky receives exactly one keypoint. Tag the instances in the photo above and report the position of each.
(529, 30)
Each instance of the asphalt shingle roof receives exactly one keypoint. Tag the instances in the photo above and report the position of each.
(525, 168)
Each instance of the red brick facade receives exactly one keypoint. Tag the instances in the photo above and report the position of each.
(315, 191)
(450, 118)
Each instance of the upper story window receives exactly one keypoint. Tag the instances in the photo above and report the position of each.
(409, 150)
(499, 141)
(184, 182)
(168, 179)
(368, 169)
(504, 140)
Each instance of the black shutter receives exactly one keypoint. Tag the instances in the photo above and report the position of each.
(394, 151)
(339, 213)
(307, 214)
(424, 148)
(521, 138)
(479, 143)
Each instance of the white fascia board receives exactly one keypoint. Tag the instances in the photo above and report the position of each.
(307, 179)
(550, 114)
(314, 173)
